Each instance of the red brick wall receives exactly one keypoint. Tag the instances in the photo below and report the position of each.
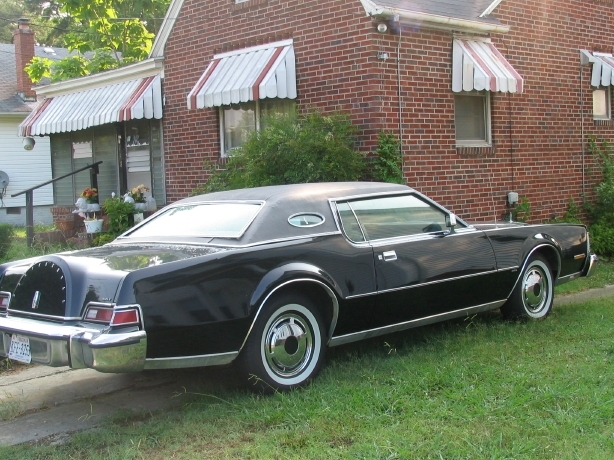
(537, 134)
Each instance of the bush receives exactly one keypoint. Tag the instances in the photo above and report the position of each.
(601, 213)
(293, 149)
(6, 239)
(387, 165)
(120, 215)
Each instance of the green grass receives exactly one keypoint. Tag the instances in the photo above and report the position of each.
(474, 388)
(479, 388)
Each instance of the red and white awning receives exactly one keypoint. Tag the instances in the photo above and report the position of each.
(603, 68)
(249, 74)
(127, 100)
(477, 65)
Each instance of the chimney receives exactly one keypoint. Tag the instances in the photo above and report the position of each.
(23, 40)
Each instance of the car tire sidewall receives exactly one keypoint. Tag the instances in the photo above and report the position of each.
(314, 360)
(253, 363)
(516, 307)
(547, 307)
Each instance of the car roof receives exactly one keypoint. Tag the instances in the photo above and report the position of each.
(283, 201)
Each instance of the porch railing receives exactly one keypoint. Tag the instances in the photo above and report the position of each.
(30, 196)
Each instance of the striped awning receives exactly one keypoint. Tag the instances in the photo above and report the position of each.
(478, 65)
(127, 100)
(603, 68)
(249, 74)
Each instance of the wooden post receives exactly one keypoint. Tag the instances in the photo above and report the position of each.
(30, 217)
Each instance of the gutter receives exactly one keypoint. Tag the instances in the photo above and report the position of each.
(147, 68)
(433, 21)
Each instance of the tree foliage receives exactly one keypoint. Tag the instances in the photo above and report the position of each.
(105, 34)
(293, 149)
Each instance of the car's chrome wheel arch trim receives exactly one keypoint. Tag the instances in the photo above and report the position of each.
(329, 291)
(362, 335)
(536, 249)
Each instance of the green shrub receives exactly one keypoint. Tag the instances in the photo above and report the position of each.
(120, 215)
(601, 213)
(102, 239)
(6, 239)
(386, 166)
(292, 149)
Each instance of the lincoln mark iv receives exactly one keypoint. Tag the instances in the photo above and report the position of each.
(269, 278)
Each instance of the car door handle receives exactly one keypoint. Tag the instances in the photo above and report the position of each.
(389, 255)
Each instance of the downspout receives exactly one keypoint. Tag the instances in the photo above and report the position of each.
(585, 59)
(400, 98)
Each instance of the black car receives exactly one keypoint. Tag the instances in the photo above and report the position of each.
(270, 277)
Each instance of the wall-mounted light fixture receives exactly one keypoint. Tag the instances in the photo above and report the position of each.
(28, 143)
(382, 28)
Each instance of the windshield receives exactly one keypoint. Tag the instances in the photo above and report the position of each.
(221, 220)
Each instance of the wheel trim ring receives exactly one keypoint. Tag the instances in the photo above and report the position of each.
(282, 361)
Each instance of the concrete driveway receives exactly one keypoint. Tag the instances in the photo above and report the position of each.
(48, 404)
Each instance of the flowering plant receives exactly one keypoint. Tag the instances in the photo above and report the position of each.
(138, 193)
(89, 194)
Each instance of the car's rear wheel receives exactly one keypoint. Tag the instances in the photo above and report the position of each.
(286, 346)
(533, 295)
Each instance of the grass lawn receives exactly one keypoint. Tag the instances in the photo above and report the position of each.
(474, 388)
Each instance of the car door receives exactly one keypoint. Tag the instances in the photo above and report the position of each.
(423, 268)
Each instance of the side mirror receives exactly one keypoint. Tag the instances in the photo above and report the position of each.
(451, 222)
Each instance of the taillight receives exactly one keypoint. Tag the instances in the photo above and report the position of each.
(99, 314)
(125, 317)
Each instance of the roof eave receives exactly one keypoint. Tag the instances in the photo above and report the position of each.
(434, 21)
(147, 68)
(157, 50)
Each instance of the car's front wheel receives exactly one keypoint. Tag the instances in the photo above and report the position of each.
(286, 346)
(533, 295)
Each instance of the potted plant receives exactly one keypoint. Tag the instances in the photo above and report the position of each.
(138, 195)
(92, 223)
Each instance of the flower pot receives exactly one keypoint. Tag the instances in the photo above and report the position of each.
(140, 206)
(93, 226)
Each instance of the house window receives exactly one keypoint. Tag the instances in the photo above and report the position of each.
(239, 121)
(601, 104)
(472, 119)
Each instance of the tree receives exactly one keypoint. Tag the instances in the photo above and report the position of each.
(105, 33)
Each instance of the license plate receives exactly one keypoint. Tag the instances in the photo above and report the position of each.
(20, 349)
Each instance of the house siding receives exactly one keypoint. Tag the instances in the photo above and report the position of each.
(537, 135)
(26, 169)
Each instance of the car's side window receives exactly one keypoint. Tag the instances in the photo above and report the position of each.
(394, 216)
(349, 223)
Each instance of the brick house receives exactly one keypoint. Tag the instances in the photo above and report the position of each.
(488, 96)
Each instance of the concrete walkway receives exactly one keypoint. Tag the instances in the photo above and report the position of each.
(48, 404)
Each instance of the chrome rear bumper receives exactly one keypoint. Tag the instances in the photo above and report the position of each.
(75, 346)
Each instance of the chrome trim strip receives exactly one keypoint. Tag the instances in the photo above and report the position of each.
(191, 361)
(123, 242)
(402, 288)
(567, 278)
(28, 314)
(331, 294)
(348, 338)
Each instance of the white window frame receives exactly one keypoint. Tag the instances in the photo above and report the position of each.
(608, 103)
(487, 141)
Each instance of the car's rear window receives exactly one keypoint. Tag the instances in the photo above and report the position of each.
(213, 220)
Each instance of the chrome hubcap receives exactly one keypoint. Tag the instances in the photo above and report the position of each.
(535, 290)
(288, 345)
